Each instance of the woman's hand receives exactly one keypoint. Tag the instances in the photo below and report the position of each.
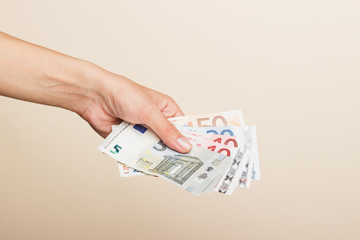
(119, 98)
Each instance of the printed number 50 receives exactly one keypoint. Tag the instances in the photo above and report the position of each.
(116, 148)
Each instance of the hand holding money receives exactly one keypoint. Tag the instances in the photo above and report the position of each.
(124, 99)
(217, 162)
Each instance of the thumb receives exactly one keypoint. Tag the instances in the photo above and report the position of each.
(168, 133)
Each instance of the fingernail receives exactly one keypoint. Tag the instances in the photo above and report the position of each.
(184, 143)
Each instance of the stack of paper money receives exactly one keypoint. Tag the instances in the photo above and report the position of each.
(224, 153)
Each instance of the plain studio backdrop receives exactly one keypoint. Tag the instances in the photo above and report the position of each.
(293, 67)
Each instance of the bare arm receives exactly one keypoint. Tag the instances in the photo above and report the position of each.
(32, 73)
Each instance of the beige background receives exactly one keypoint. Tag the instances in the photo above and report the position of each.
(291, 66)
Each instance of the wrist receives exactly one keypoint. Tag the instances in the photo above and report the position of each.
(98, 87)
(90, 85)
(74, 86)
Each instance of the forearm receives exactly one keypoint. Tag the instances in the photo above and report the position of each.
(33, 73)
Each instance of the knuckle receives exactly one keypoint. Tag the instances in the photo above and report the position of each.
(170, 99)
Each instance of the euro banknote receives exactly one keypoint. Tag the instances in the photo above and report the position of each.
(193, 171)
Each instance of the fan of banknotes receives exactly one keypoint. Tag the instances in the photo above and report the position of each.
(224, 153)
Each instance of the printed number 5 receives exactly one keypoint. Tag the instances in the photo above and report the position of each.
(117, 149)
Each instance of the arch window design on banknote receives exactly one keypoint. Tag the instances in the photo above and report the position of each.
(178, 167)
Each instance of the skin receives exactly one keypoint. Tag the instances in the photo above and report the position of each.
(36, 74)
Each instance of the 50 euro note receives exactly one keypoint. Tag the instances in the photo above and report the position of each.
(193, 171)
(227, 118)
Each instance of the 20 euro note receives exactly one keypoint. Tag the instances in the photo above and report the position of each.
(140, 148)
